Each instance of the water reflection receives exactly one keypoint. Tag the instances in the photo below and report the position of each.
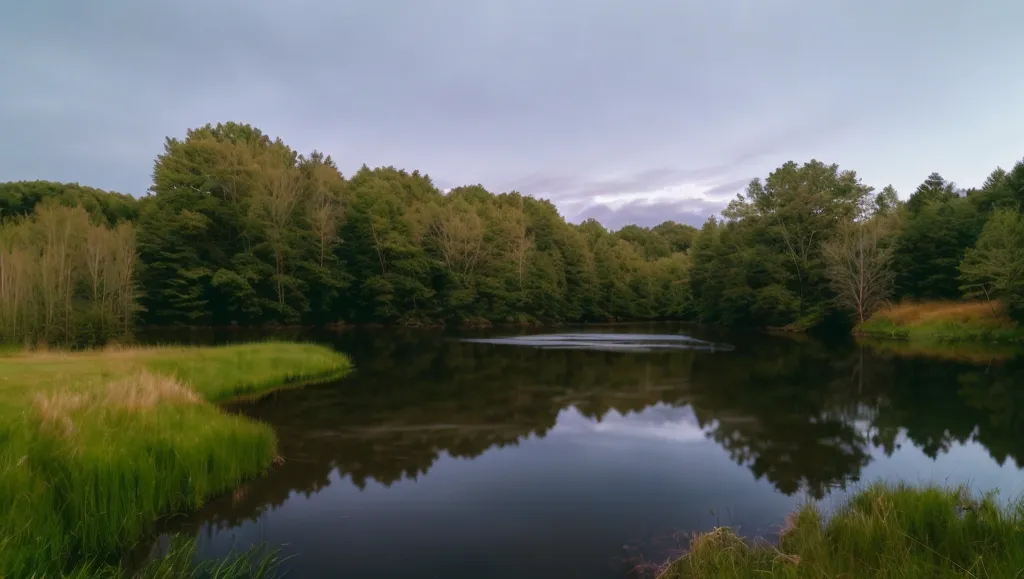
(478, 446)
(608, 341)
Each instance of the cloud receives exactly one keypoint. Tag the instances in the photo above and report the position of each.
(593, 103)
(648, 214)
(658, 422)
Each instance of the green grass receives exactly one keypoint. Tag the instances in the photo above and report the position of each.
(883, 532)
(178, 562)
(962, 351)
(95, 446)
(943, 322)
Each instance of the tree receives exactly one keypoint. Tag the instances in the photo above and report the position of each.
(790, 214)
(65, 280)
(886, 202)
(20, 198)
(935, 189)
(930, 246)
(994, 267)
(274, 206)
(859, 266)
(239, 228)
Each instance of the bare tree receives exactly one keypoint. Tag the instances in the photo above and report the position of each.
(325, 210)
(96, 256)
(275, 204)
(63, 278)
(858, 264)
(459, 231)
(15, 282)
(121, 275)
(514, 222)
(62, 232)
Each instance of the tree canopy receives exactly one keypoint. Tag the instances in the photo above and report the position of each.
(239, 228)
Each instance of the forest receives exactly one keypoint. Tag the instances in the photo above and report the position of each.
(239, 228)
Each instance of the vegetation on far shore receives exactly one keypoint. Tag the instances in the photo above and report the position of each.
(882, 532)
(239, 228)
(96, 445)
(943, 322)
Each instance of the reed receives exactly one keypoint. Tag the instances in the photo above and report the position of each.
(95, 446)
(884, 532)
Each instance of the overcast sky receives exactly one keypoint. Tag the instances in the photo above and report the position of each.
(624, 110)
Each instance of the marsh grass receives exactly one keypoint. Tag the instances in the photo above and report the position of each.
(258, 562)
(178, 562)
(95, 446)
(883, 532)
(940, 321)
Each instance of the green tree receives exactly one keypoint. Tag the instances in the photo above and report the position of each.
(930, 247)
(935, 189)
(886, 202)
(994, 267)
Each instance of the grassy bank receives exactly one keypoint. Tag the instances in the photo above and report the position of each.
(962, 351)
(943, 322)
(884, 532)
(94, 446)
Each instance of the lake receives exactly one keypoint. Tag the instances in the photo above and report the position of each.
(587, 452)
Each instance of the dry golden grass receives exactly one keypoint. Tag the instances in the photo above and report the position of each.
(108, 352)
(141, 392)
(56, 409)
(917, 313)
(145, 391)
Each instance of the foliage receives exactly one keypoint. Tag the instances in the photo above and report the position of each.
(994, 267)
(882, 532)
(935, 189)
(20, 198)
(77, 498)
(64, 279)
(930, 247)
(240, 229)
(763, 265)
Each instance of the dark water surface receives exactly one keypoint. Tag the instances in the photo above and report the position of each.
(581, 454)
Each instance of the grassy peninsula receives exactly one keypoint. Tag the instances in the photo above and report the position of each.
(943, 322)
(95, 446)
(883, 532)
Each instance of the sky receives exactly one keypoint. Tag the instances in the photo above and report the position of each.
(628, 111)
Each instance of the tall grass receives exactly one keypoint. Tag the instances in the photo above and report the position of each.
(95, 446)
(940, 321)
(883, 532)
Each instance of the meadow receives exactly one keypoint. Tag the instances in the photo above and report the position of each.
(95, 446)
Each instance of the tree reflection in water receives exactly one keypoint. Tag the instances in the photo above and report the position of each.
(800, 413)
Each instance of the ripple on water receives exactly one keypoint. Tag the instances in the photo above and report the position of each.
(615, 342)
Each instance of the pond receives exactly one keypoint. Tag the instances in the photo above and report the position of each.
(587, 452)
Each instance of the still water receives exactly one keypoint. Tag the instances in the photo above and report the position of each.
(585, 453)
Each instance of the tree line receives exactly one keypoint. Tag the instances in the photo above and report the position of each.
(812, 243)
(239, 228)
